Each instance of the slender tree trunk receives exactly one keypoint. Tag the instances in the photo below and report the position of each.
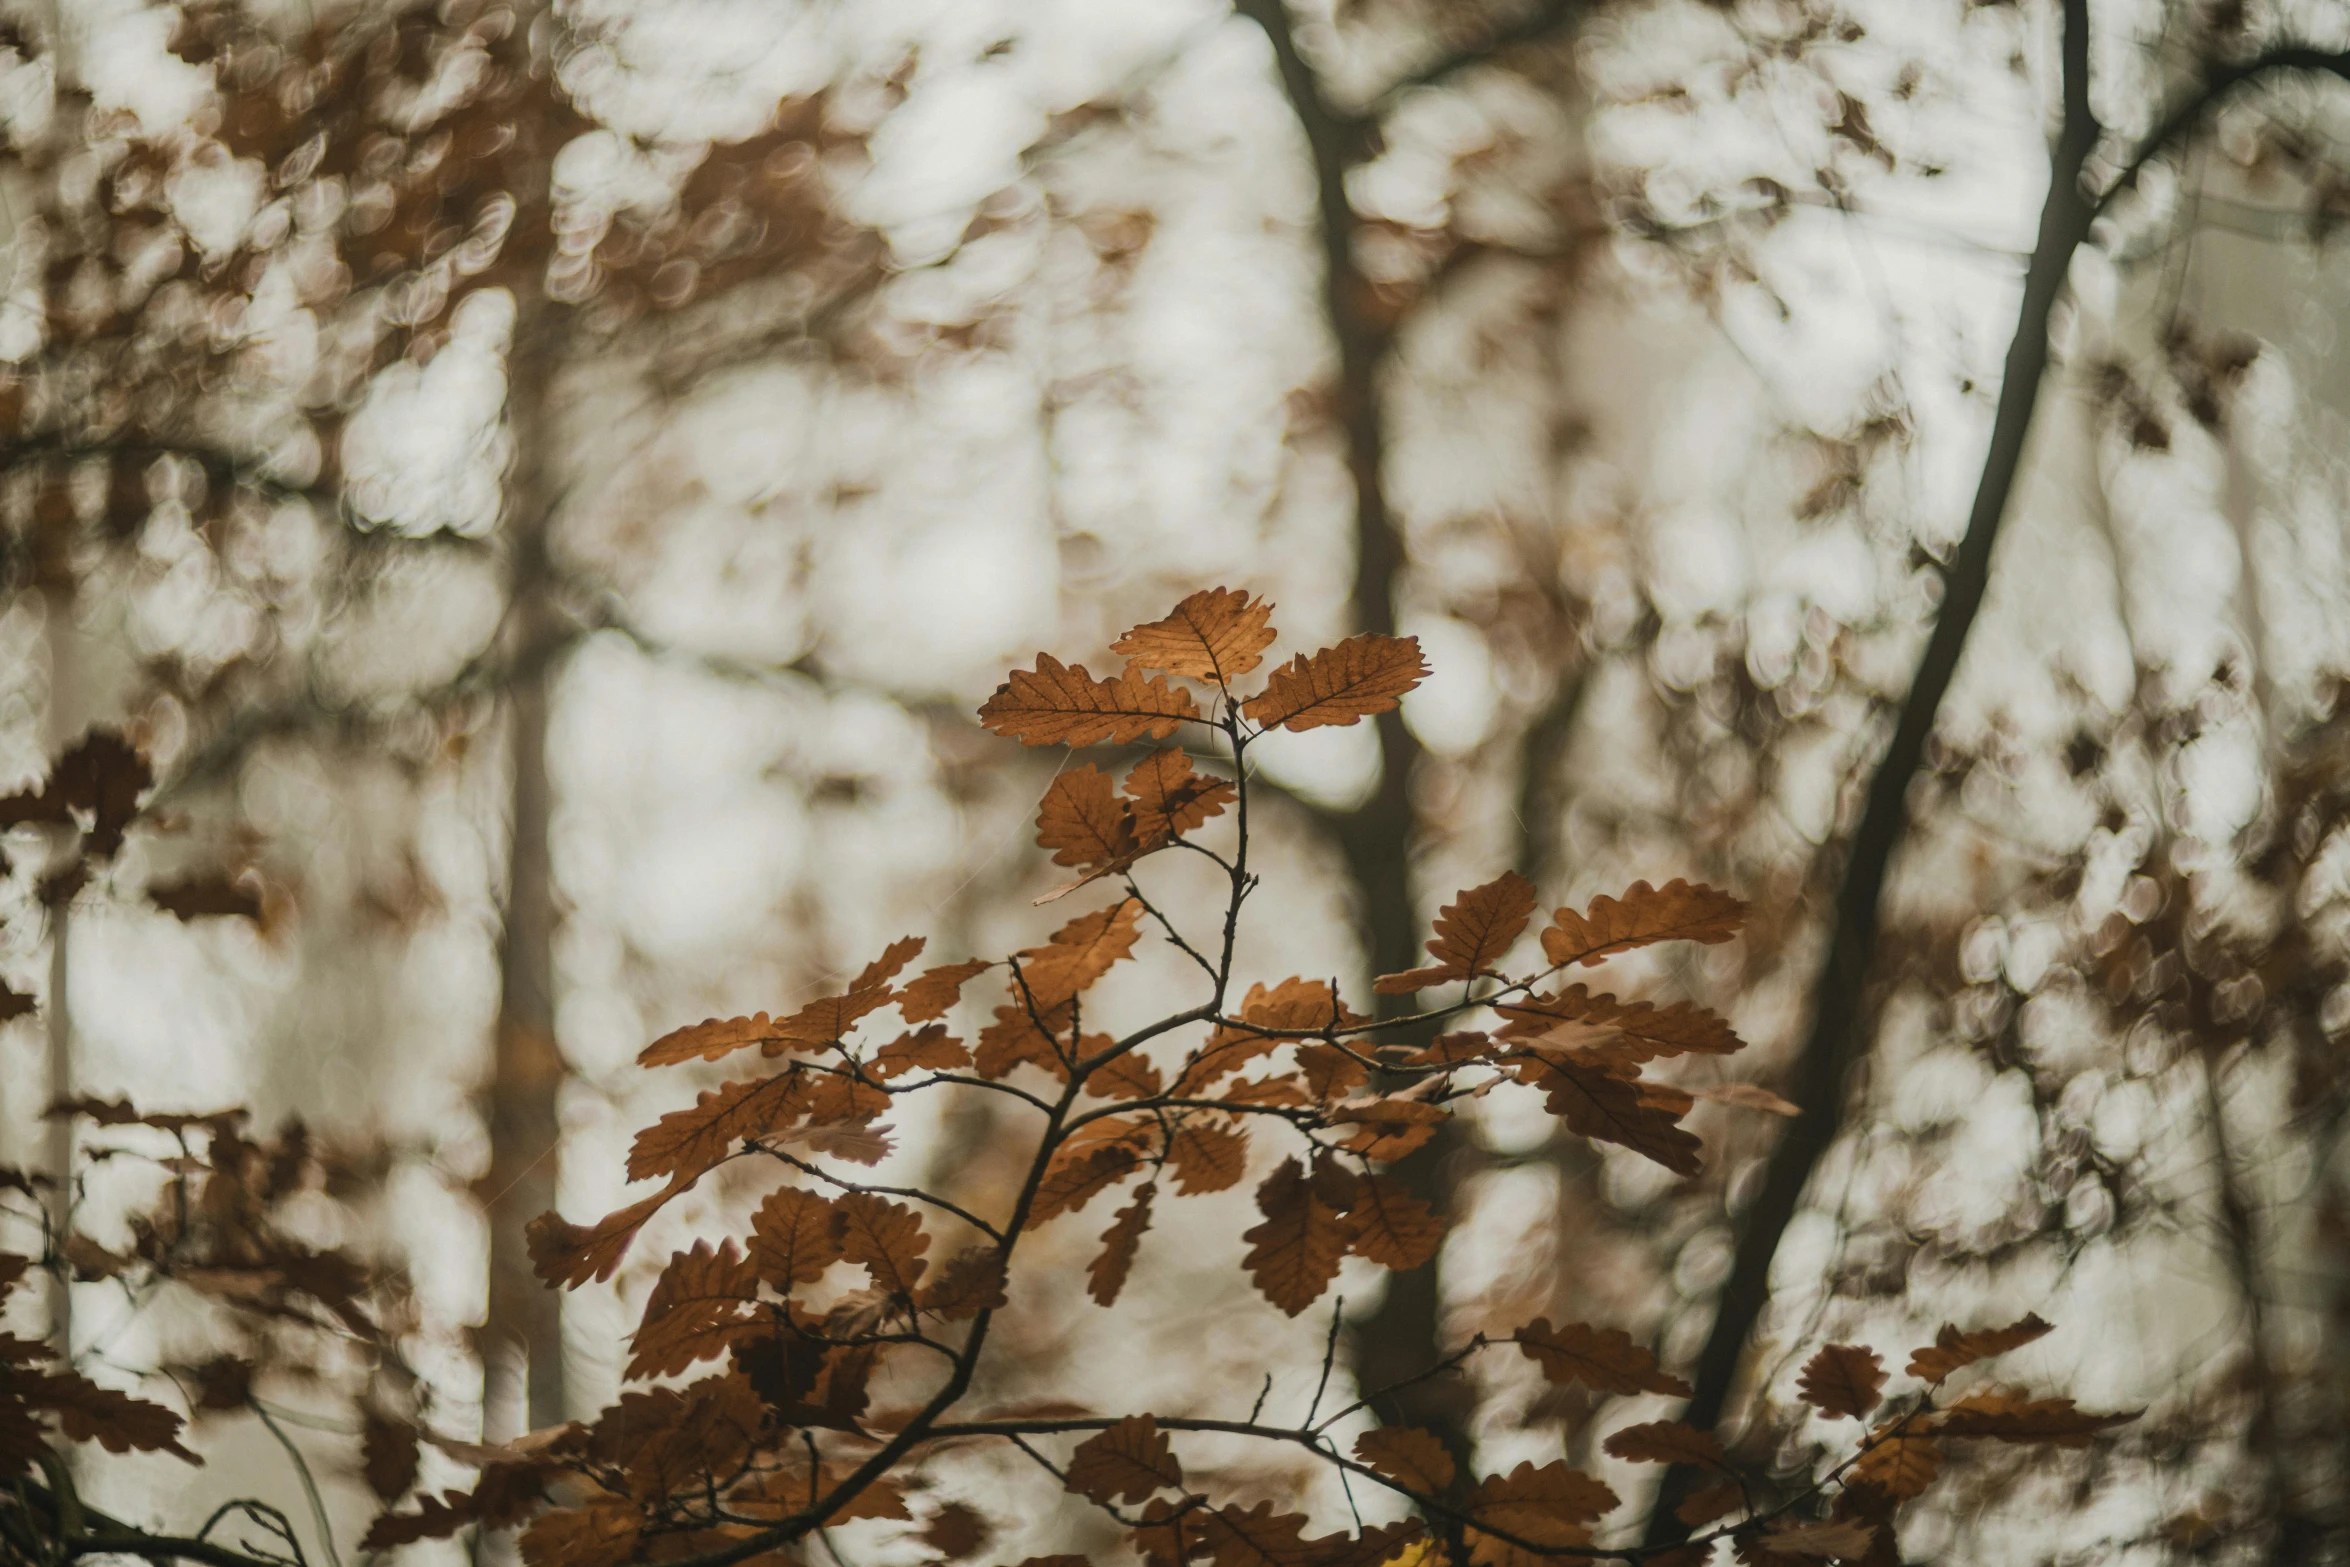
(523, 1337)
(57, 1008)
(1819, 1080)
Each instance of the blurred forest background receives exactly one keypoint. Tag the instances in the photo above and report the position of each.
(545, 487)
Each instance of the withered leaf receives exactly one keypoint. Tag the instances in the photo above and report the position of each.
(86, 1412)
(1015, 1038)
(1061, 704)
(1667, 1442)
(1077, 1175)
(1900, 1463)
(689, 1143)
(1106, 1274)
(388, 1458)
(1207, 1156)
(1341, 685)
(1679, 1029)
(792, 1239)
(1080, 953)
(1412, 1458)
(1084, 822)
(1598, 1104)
(1213, 634)
(1257, 1537)
(1125, 1462)
(930, 994)
(929, 1049)
(886, 1237)
(696, 1310)
(1129, 1076)
(1548, 1505)
(571, 1254)
(1677, 911)
(1169, 798)
(1472, 933)
(1294, 1254)
(1602, 1359)
(1954, 1351)
(1842, 1380)
(1387, 1129)
(956, 1531)
(1391, 1226)
(971, 1282)
(2011, 1417)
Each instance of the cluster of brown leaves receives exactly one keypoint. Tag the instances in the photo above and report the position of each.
(806, 1371)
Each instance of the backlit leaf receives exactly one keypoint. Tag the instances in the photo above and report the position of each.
(1257, 1537)
(792, 1240)
(1842, 1380)
(696, 1310)
(971, 1282)
(1084, 822)
(1387, 1129)
(1599, 1104)
(1294, 1254)
(1124, 1463)
(1412, 1458)
(1361, 676)
(1954, 1351)
(571, 1254)
(1677, 911)
(691, 1142)
(1472, 934)
(1602, 1359)
(1679, 1029)
(1077, 1175)
(2011, 1417)
(1106, 1274)
(927, 1049)
(1080, 953)
(1391, 1226)
(1207, 1156)
(1213, 634)
(929, 995)
(1061, 704)
(1548, 1505)
(1667, 1442)
(1169, 797)
(1900, 1464)
(886, 1237)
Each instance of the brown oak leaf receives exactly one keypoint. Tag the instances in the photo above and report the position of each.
(1412, 1458)
(1667, 1442)
(1106, 1274)
(1168, 797)
(1124, 1462)
(1061, 704)
(1602, 1359)
(1213, 634)
(1842, 1380)
(1677, 911)
(1294, 1254)
(1472, 933)
(1954, 1351)
(1341, 685)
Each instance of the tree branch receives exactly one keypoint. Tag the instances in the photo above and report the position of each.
(1818, 1082)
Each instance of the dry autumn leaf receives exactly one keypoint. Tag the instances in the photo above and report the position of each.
(1213, 634)
(1106, 1274)
(1359, 677)
(1602, 1359)
(1168, 797)
(1124, 1463)
(1060, 704)
(1472, 933)
(1954, 1351)
(1677, 911)
(1842, 1380)
(1412, 1458)
(1667, 1442)
(1295, 1253)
